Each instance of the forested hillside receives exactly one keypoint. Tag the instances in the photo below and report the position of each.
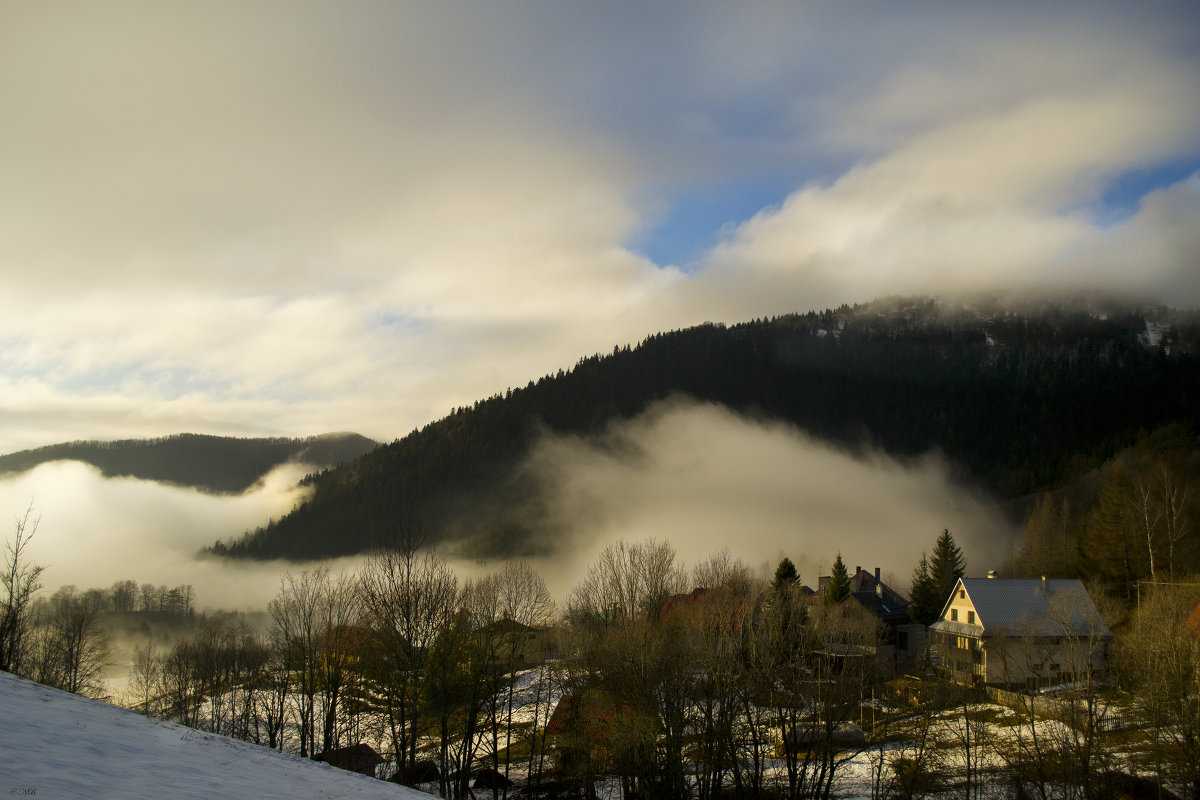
(1019, 401)
(219, 464)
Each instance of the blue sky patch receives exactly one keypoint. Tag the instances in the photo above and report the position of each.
(1124, 194)
(696, 216)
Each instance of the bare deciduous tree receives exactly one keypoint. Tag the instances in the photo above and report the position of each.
(628, 581)
(145, 681)
(72, 648)
(408, 598)
(313, 614)
(21, 581)
(510, 606)
(1161, 664)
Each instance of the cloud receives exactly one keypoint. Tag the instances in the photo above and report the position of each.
(987, 197)
(1153, 253)
(705, 478)
(296, 217)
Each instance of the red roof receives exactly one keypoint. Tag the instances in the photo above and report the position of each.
(682, 601)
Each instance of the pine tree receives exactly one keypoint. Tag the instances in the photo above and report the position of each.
(924, 607)
(946, 566)
(839, 582)
(785, 575)
(791, 614)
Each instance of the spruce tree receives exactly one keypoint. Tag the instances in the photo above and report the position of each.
(785, 575)
(790, 612)
(924, 607)
(946, 566)
(839, 582)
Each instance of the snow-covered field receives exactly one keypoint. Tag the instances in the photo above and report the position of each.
(59, 745)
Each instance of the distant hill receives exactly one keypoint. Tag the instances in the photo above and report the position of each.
(219, 464)
(1018, 398)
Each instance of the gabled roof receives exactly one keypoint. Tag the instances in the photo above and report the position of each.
(877, 597)
(886, 608)
(1027, 607)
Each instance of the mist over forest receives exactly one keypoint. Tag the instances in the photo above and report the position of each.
(863, 430)
(699, 475)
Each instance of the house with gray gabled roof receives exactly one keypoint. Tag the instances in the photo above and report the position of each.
(1020, 631)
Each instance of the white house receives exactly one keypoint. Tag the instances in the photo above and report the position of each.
(1012, 631)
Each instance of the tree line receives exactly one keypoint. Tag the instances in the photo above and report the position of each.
(1131, 522)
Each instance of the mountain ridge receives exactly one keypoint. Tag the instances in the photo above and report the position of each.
(216, 464)
(997, 389)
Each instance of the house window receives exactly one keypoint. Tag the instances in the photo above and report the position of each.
(954, 615)
(971, 617)
(964, 643)
(1037, 667)
(962, 594)
(1054, 667)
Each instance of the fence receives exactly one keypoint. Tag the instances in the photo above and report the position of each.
(1072, 712)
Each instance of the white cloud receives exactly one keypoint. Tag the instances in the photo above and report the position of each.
(301, 217)
(990, 198)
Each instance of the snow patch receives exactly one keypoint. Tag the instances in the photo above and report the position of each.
(61, 745)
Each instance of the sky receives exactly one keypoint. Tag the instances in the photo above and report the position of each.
(289, 218)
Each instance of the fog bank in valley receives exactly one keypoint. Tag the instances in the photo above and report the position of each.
(95, 531)
(705, 479)
(700, 476)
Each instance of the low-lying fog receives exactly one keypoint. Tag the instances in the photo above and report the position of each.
(697, 475)
(95, 531)
(705, 478)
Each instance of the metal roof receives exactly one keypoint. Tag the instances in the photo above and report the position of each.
(1031, 607)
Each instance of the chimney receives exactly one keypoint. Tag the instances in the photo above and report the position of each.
(877, 574)
(857, 570)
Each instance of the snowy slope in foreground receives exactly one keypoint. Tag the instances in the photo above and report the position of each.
(60, 745)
